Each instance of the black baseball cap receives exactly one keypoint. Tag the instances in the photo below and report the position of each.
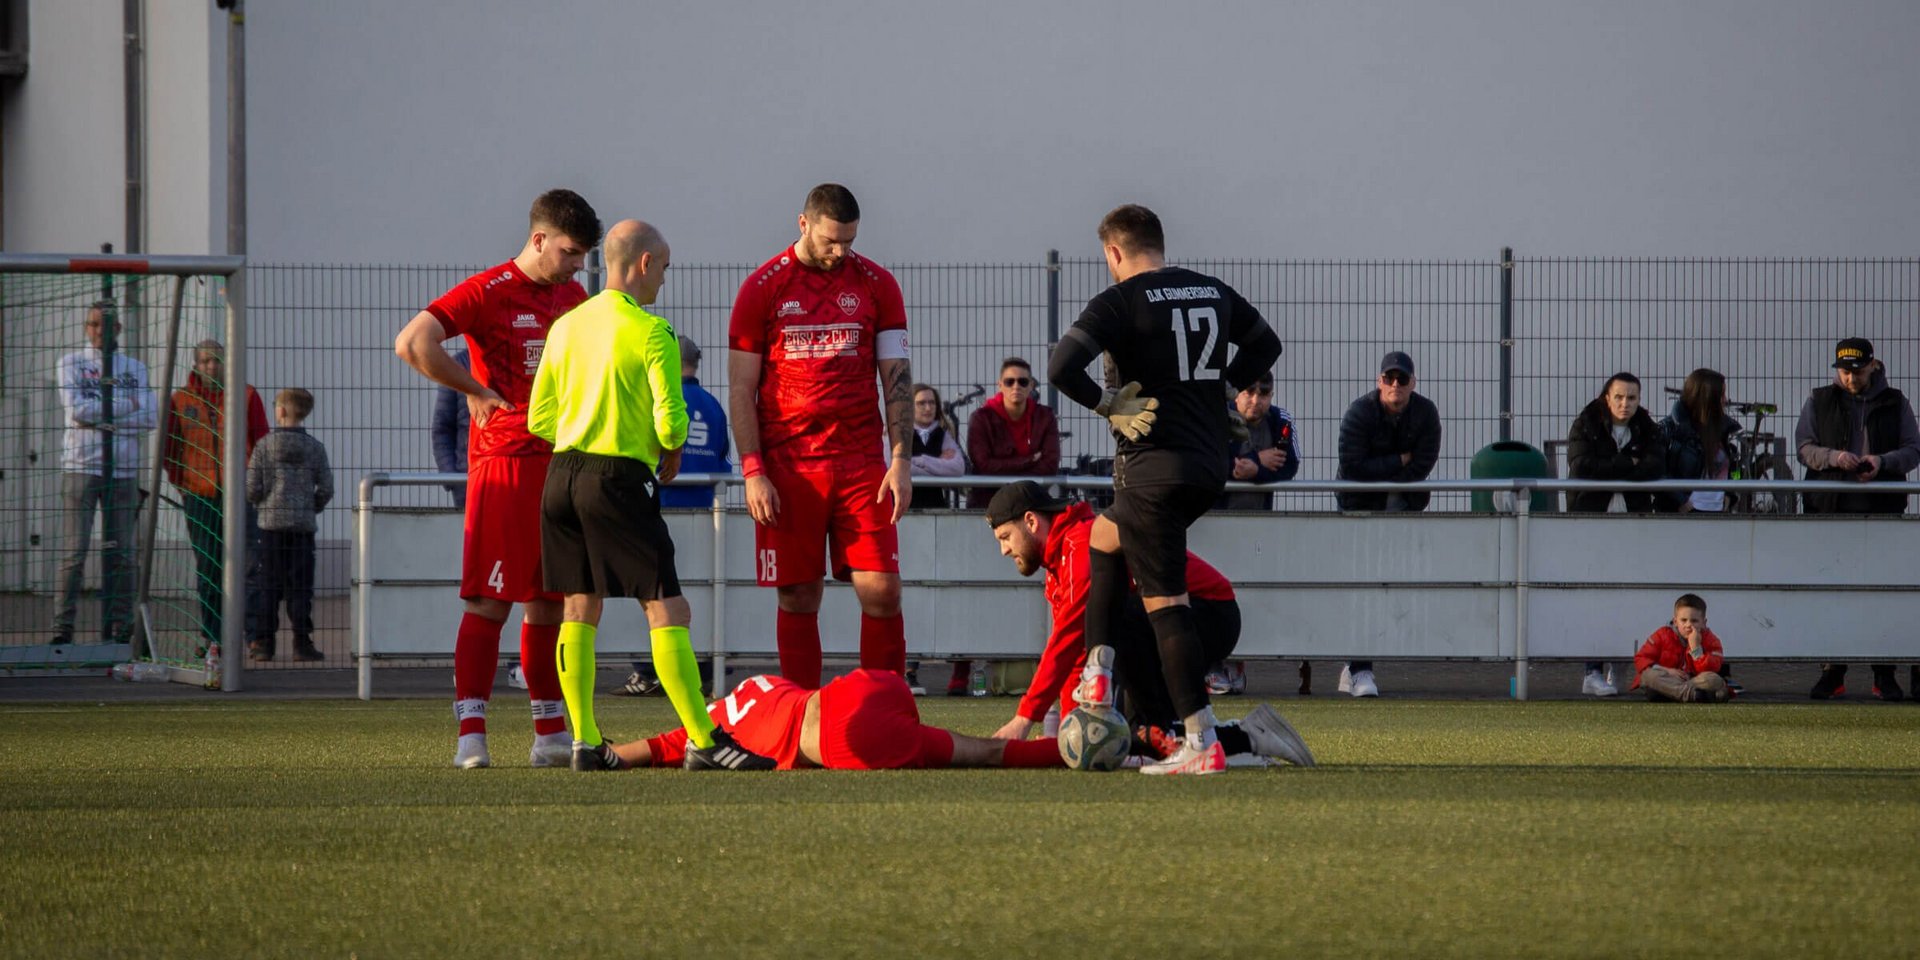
(1012, 502)
(1397, 360)
(1853, 353)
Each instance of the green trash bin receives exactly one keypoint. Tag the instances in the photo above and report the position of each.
(1509, 458)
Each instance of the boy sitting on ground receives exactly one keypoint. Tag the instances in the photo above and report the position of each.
(1682, 661)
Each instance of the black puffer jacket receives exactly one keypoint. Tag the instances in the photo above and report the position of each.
(1592, 455)
(1687, 450)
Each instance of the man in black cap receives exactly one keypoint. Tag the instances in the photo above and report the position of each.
(1857, 429)
(1390, 435)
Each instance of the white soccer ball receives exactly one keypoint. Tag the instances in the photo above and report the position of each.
(1094, 739)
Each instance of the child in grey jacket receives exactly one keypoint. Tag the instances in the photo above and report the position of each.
(289, 480)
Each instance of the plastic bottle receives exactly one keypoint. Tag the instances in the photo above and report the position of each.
(140, 672)
(977, 680)
(213, 666)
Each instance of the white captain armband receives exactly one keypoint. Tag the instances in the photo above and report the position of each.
(890, 345)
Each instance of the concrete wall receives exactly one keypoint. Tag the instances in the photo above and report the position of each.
(418, 132)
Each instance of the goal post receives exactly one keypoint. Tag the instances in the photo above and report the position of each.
(92, 350)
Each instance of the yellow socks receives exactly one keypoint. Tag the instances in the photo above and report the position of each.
(575, 654)
(680, 676)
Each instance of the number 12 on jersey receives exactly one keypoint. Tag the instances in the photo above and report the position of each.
(1193, 321)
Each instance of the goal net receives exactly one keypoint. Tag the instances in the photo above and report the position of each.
(112, 518)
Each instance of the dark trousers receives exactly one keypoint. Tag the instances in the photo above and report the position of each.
(208, 537)
(286, 574)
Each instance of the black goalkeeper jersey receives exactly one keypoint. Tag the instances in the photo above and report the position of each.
(1168, 329)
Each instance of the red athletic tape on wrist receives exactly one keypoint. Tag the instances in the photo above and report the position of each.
(751, 466)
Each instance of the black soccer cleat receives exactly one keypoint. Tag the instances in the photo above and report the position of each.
(1832, 683)
(725, 754)
(1886, 688)
(597, 756)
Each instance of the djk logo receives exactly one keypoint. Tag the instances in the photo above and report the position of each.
(849, 302)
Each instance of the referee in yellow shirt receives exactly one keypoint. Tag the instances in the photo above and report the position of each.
(607, 394)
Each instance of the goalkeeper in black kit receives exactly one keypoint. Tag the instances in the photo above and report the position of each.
(1165, 330)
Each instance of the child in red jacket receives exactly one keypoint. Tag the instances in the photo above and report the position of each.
(1681, 661)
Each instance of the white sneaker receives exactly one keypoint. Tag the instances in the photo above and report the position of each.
(1187, 761)
(1597, 685)
(472, 752)
(517, 679)
(1274, 737)
(552, 750)
(1362, 684)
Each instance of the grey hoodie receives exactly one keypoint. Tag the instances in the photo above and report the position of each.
(289, 480)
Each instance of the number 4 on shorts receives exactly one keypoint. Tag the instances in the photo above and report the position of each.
(496, 579)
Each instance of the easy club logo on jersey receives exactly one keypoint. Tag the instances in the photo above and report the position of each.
(849, 302)
(814, 341)
(534, 349)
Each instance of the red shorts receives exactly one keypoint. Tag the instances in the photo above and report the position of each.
(500, 559)
(868, 721)
(832, 511)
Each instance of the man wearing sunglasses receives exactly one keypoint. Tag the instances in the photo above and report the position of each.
(1390, 435)
(1012, 434)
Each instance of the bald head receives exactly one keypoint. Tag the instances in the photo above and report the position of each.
(637, 257)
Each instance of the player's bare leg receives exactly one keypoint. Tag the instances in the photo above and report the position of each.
(883, 637)
(797, 631)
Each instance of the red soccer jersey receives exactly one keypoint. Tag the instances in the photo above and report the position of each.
(764, 714)
(816, 331)
(504, 316)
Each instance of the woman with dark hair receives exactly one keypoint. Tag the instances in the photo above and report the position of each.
(1614, 438)
(1700, 442)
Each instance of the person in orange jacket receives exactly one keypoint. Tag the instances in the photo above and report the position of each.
(1682, 660)
(196, 415)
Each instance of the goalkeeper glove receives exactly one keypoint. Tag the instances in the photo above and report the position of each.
(1130, 413)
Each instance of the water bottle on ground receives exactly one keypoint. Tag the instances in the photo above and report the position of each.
(977, 679)
(140, 672)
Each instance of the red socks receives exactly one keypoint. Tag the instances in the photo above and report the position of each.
(1041, 753)
(541, 666)
(798, 637)
(883, 643)
(476, 658)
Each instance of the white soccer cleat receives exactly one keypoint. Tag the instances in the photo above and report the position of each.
(1096, 679)
(1362, 684)
(517, 678)
(552, 750)
(1597, 685)
(1274, 737)
(472, 752)
(1188, 761)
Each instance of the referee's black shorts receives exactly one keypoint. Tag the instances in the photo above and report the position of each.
(601, 532)
(1153, 524)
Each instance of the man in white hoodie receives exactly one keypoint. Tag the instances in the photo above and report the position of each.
(102, 404)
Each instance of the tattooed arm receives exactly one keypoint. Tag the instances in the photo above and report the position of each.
(896, 385)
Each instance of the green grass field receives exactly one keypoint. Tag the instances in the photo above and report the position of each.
(317, 829)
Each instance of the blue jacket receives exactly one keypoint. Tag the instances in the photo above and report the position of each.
(450, 433)
(706, 449)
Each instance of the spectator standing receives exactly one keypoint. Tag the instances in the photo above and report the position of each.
(704, 452)
(1699, 436)
(107, 409)
(450, 420)
(290, 482)
(1012, 434)
(192, 456)
(1270, 453)
(1613, 438)
(1857, 429)
(1682, 661)
(1389, 435)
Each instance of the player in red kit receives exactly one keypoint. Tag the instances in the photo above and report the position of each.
(865, 720)
(810, 329)
(504, 313)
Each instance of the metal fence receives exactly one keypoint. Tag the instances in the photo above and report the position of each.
(1505, 346)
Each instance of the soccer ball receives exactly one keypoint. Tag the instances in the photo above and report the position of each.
(1094, 739)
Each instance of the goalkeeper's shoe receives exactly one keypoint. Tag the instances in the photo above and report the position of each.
(551, 750)
(1190, 761)
(1096, 679)
(725, 754)
(472, 752)
(1274, 737)
(597, 756)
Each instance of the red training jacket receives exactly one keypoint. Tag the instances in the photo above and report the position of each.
(1667, 649)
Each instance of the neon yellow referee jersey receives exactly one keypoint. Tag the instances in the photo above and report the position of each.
(609, 382)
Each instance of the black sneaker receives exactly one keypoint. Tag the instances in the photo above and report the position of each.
(725, 754)
(1832, 683)
(303, 649)
(640, 685)
(260, 651)
(599, 756)
(1885, 687)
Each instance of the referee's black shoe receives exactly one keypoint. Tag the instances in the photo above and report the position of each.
(597, 756)
(725, 754)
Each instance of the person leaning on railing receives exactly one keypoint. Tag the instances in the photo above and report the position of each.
(1700, 444)
(1857, 429)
